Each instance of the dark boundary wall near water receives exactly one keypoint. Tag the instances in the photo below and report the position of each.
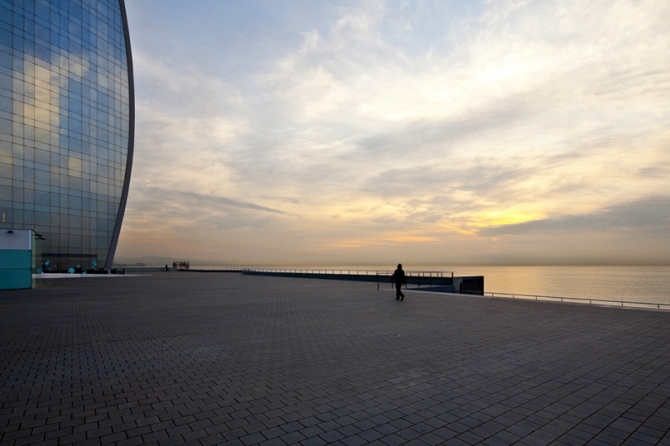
(462, 285)
(329, 276)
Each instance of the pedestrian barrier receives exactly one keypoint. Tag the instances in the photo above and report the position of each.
(584, 300)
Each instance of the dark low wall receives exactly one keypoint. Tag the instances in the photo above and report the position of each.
(464, 285)
(437, 289)
(470, 285)
(358, 277)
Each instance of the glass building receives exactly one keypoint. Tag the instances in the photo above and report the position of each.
(66, 126)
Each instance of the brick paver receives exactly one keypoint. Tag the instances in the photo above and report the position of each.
(229, 359)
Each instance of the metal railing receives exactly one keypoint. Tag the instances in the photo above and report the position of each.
(419, 278)
(584, 300)
(314, 271)
(427, 276)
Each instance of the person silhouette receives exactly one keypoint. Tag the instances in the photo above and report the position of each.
(399, 278)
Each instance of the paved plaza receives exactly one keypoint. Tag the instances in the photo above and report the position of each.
(222, 358)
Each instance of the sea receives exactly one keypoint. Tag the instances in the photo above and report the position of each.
(620, 283)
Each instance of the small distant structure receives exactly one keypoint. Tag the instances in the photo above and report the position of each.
(182, 266)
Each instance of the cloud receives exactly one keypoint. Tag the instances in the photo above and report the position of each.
(209, 200)
(654, 172)
(516, 88)
(170, 221)
(355, 123)
(639, 215)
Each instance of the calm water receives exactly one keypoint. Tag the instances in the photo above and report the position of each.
(628, 283)
(636, 284)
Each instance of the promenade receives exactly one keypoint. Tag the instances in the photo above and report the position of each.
(222, 358)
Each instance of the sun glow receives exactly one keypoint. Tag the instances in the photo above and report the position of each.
(506, 217)
(381, 239)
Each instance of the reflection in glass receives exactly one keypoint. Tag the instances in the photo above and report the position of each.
(66, 125)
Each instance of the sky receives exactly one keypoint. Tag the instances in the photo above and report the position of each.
(425, 132)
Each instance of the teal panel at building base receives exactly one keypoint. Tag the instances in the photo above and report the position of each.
(15, 269)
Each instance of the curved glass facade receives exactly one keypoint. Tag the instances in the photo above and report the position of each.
(66, 126)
